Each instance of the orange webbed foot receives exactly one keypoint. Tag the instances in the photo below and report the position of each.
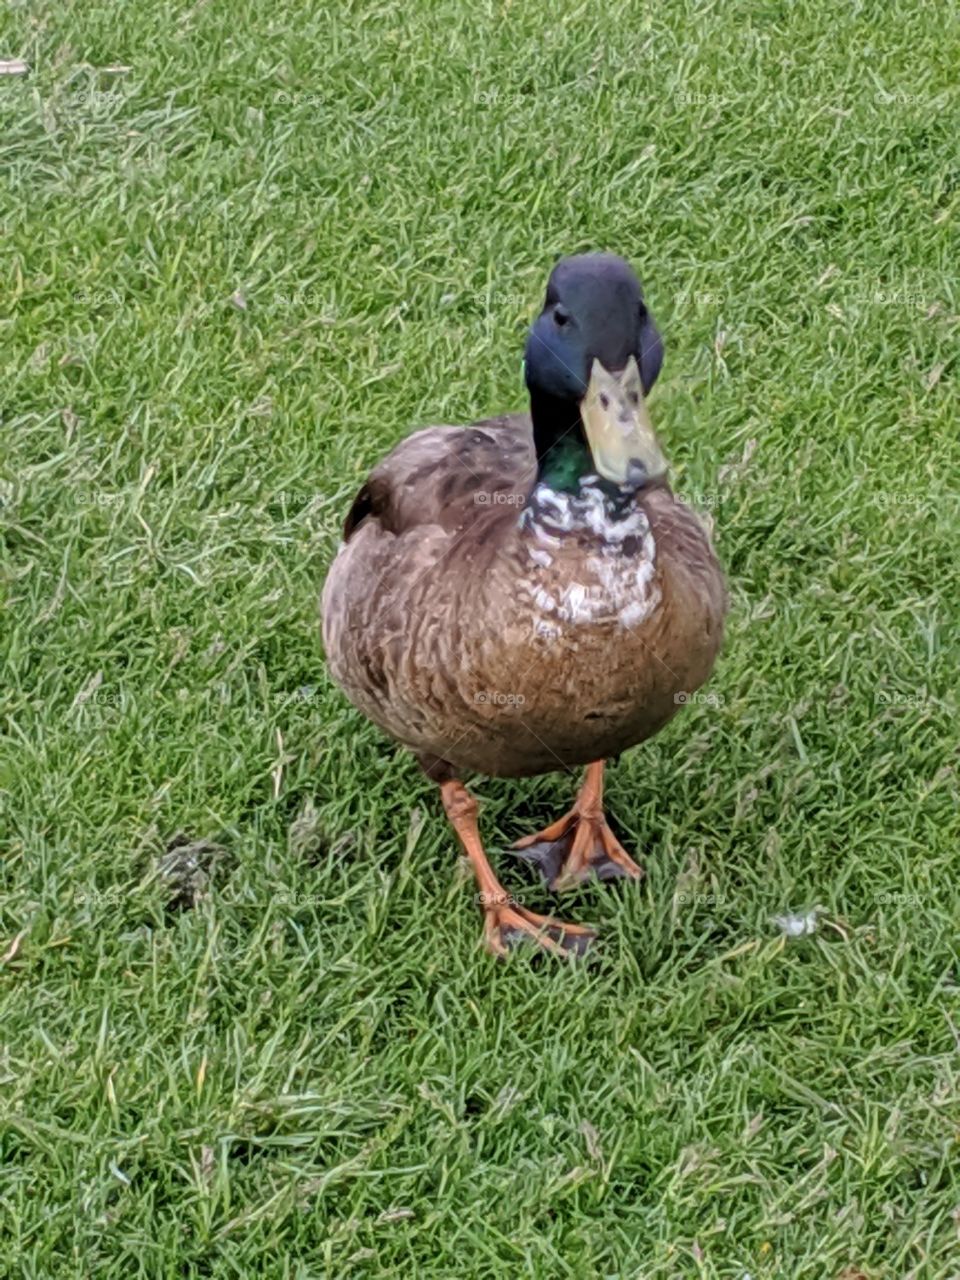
(507, 924)
(580, 845)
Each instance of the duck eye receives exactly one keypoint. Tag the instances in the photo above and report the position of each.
(561, 315)
(604, 400)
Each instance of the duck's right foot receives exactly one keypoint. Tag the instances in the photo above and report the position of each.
(506, 924)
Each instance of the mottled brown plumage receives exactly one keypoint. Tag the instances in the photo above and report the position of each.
(430, 624)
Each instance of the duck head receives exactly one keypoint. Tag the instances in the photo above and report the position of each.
(591, 356)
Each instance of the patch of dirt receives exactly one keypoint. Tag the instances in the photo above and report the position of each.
(186, 868)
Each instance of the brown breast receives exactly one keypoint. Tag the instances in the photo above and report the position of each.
(501, 651)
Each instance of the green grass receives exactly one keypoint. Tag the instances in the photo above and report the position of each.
(280, 1052)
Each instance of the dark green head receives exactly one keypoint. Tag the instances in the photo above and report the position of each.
(593, 311)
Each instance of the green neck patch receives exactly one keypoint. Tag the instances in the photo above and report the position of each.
(565, 463)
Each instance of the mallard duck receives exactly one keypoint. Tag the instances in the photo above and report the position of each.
(526, 594)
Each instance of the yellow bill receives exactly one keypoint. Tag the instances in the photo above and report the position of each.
(619, 432)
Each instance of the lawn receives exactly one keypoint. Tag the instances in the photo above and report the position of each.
(246, 1025)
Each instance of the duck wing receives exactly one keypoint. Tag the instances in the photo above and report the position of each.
(421, 528)
(445, 476)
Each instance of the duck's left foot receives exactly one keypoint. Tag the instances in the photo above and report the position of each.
(580, 844)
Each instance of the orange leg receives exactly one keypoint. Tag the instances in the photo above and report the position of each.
(505, 922)
(580, 844)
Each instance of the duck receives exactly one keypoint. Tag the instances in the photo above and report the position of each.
(526, 594)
